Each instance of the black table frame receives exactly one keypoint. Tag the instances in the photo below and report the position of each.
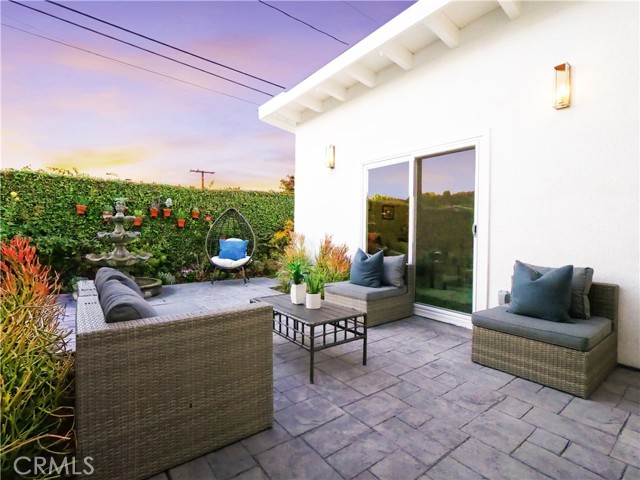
(317, 329)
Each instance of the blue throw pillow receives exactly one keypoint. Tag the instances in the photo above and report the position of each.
(233, 249)
(545, 296)
(366, 270)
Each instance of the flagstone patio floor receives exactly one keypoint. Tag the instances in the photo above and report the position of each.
(419, 409)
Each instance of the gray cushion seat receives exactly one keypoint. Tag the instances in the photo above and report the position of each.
(582, 335)
(351, 290)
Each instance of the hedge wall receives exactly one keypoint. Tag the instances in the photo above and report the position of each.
(44, 210)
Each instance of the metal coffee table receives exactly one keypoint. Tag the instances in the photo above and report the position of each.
(315, 330)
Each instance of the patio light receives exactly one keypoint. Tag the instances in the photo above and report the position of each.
(563, 86)
(330, 156)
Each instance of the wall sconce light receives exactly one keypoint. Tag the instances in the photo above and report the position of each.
(563, 86)
(330, 156)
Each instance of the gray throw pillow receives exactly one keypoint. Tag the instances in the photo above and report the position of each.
(366, 270)
(108, 273)
(393, 270)
(545, 296)
(580, 286)
(119, 303)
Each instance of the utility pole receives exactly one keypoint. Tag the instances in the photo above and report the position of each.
(201, 172)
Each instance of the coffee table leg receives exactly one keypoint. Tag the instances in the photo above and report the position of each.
(364, 346)
(311, 352)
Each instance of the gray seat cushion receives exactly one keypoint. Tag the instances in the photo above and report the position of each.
(582, 335)
(108, 273)
(119, 303)
(347, 289)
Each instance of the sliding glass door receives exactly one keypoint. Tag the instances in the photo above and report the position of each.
(388, 209)
(444, 244)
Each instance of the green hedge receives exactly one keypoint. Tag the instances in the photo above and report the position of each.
(44, 210)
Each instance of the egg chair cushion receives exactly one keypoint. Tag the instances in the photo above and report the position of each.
(228, 263)
(233, 249)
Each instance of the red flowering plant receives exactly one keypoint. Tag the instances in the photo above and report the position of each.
(36, 382)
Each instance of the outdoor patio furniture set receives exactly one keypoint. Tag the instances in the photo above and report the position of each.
(177, 383)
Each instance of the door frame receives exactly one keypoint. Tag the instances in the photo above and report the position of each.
(481, 143)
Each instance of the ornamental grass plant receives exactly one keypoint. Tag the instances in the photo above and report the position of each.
(37, 370)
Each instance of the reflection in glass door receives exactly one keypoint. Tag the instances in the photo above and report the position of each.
(445, 204)
(388, 209)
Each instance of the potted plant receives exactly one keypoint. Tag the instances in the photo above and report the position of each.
(107, 212)
(138, 220)
(81, 205)
(154, 208)
(313, 298)
(298, 288)
(182, 218)
(195, 212)
(168, 203)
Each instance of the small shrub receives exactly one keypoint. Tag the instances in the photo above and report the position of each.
(295, 250)
(167, 278)
(332, 261)
(36, 384)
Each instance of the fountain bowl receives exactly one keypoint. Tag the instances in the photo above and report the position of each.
(150, 286)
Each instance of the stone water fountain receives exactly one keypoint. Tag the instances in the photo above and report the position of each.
(120, 257)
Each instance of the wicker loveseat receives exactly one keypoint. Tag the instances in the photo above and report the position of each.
(382, 305)
(578, 370)
(156, 392)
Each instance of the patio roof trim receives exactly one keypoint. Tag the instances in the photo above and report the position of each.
(384, 47)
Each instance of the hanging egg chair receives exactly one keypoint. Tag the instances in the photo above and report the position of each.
(230, 243)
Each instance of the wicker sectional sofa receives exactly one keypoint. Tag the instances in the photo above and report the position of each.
(575, 358)
(156, 392)
(382, 305)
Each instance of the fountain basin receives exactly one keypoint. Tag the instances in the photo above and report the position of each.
(150, 286)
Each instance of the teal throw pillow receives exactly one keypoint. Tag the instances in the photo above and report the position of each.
(546, 296)
(233, 249)
(366, 270)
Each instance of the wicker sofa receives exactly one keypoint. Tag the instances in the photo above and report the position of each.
(156, 392)
(578, 371)
(382, 305)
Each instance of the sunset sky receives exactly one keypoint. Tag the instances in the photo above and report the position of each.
(64, 107)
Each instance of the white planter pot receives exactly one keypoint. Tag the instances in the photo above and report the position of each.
(297, 293)
(314, 301)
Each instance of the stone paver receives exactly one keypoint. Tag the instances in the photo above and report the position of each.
(550, 464)
(499, 430)
(419, 409)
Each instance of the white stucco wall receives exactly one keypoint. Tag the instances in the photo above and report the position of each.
(564, 185)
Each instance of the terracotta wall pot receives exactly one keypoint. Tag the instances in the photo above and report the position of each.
(137, 221)
(153, 212)
(167, 212)
(81, 209)
(181, 222)
(195, 214)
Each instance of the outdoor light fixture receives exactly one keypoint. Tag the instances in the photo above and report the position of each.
(330, 156)
(563, 86)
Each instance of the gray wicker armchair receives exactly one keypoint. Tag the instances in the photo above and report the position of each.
(573, 371)
(156, 392)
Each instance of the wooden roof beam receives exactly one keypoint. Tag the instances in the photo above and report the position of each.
(398, 55)
(444, 28)
(513, 8)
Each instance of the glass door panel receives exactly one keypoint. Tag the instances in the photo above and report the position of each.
(445, 203)
(388, 209)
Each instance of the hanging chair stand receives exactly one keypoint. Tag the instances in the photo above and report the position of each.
(231, 225)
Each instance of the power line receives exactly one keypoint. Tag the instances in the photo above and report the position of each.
(141, 48)
(163, 43)
(301, 21)
(361, 12)
(128, 64)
